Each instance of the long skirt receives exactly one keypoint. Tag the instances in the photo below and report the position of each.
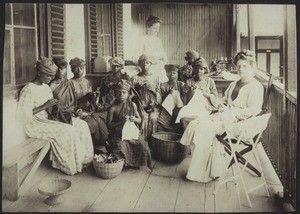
(166, 122)
(207, 160)
(98, 128)
(71, 145)
(135, 152)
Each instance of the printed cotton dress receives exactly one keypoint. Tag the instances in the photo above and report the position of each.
(71, 145)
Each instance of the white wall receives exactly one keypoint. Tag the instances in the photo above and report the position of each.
(75, 40)
(268, 20)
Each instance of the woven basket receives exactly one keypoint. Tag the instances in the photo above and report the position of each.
(167, 147)
(108, 170)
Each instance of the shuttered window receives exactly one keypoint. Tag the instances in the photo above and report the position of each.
(104, 31)
(56, 30)
(20, 48)
(118, 35)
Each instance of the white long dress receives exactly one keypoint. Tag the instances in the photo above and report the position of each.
(71, 145)
(207, 160)
(152, 47)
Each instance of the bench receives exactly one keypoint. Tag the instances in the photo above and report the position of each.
(18, 150)
(12, 183)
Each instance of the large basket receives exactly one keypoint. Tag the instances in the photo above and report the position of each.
(108, 170)
(167, 148)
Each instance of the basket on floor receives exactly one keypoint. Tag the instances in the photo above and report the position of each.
(108, 170)
(167, 147)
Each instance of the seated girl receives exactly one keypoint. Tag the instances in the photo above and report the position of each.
(114, 76)
(186, 72)
(64, 91)
(136, 151)
(202, 82)
(71, 145)
(244, 99)
(85, 104)
(147, 87)
(172, 100)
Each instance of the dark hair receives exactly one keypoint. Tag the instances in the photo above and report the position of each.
(60, 63)
(245, 55)
(152, 20)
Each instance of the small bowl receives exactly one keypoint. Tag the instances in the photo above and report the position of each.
(54, 188)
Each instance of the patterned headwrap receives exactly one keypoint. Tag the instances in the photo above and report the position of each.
(144, 58)
(123, 85)
(170, 67)
(76, 62)
(201, 63)
(46, 66)
(116, 61)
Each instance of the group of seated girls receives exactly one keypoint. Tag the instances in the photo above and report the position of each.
(67, 113)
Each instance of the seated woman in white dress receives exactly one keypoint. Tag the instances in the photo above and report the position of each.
(151, 46)
(243, 99)
(71, 145)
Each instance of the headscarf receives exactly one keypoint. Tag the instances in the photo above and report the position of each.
(123, 85)
(116, 61)
(201, 63)
(170, 67)
(76, 62)
(46, 65)
(143, 58)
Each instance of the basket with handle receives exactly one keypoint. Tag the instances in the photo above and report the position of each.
(167, 147)
(108, 170)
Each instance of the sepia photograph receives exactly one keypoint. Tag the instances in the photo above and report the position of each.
(149, 107)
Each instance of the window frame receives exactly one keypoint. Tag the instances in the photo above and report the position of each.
(11, 27)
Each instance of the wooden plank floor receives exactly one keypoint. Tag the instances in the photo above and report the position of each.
(163, 190)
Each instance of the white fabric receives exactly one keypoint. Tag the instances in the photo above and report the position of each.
(195, 108)
(130, 131)
(207, 160)
(249, 98)
(71, 145)
(169, 104)
(246, 129)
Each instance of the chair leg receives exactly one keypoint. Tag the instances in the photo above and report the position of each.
(260, 168)
(243, 182)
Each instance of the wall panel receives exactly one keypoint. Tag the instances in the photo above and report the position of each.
(202, 27)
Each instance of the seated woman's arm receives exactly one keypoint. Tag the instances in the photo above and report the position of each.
(45, 106)
(136, 118)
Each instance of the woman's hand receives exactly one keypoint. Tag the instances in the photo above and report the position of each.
(174, 93)
(193, 87)
(206, 94)
(132, 119)
(50, 103)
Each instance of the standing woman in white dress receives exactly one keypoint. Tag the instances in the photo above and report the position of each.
(151, 46)
(71, 145)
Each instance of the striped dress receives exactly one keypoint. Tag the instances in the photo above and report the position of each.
(71, 145)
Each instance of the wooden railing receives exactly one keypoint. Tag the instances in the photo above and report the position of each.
(280, 139)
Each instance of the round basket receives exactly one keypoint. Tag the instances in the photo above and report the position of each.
(167, 147)
(108, 170)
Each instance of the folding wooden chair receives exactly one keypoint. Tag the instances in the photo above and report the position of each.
(248, 147)
(245, 131)
(230, 146)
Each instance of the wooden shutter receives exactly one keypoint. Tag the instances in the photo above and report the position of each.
(56, 30)
(91, 32)
(118, 31)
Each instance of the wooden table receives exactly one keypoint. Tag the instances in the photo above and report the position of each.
(221, 84)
